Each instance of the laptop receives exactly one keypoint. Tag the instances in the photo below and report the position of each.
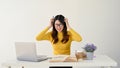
(26, 51)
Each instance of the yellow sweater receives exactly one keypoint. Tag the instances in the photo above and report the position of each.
(59, 48)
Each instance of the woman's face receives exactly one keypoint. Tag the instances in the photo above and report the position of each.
(59, 26)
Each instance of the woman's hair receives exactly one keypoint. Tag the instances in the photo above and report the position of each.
(64, 31)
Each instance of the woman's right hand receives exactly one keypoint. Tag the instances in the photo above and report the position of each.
(51, 22)
(67, 24)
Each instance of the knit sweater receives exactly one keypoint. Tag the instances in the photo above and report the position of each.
(59, 48)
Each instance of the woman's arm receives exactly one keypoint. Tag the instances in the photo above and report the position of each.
(75, 35)
(44, 35)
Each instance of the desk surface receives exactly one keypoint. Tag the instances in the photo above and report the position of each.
(99, 60)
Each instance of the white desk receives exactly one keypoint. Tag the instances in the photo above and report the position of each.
(102, 61)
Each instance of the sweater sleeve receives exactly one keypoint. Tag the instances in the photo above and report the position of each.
(75, 35)
(43, 35)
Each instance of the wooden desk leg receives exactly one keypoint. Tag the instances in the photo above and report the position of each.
(22, 66)
(107, 67)
(9, 66)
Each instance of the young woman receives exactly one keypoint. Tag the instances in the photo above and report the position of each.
(61, 35)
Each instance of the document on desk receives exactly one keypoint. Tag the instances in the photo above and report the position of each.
(63, 58)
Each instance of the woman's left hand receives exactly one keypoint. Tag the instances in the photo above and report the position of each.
(67, 24)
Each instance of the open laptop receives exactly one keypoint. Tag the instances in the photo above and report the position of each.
(26, 51)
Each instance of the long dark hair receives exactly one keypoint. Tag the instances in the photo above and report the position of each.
(64, 31)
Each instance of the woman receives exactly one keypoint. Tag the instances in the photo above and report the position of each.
(59, 37)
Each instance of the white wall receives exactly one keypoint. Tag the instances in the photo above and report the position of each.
(98, 21)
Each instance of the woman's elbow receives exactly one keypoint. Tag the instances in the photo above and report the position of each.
(37, 38)
(80, 39)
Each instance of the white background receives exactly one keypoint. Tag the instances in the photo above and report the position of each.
(97, 21)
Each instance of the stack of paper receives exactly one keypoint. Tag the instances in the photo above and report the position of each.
(62, 58)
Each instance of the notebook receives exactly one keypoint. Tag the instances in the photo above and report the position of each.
(26, 51)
